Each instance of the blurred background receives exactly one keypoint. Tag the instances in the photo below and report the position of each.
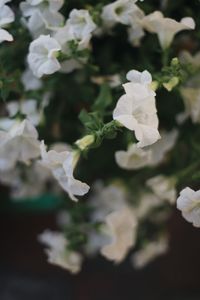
(25, 274)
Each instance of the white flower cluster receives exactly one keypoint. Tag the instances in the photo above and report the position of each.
(6, 17)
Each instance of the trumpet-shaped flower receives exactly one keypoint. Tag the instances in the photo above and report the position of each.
(6, 17)
(136, 110)
(62, 165)
(189, 204)
(120, 11)
(121, 227)
(57, 251)
(42, 56)
(134, 158)
(166, 28)
(42, 16)
(20, 143)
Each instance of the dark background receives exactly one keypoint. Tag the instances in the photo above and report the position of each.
(25, 274)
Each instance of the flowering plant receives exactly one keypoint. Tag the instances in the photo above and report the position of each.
(100, 105)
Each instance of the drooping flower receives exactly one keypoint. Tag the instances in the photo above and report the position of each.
(57, 251)
(20, 143)
(163, 187)
(189, 204)
(42, 56)
(166, 28)
(149, 252)
(121, 227)
(136, 110)
(6, 17)
(62, 166)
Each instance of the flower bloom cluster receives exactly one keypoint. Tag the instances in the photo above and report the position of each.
(65, 64)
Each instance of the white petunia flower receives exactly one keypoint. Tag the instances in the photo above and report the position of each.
(139, 77)
(30, 82)
(134, 158)
(166, 28)
(62, 165)
(106, 199)
(42, 56)
(57, 251)
(136, 110)
(135, 34)
(42, 16)
(6, 17)
(191, 98)
(147, 202)
(120, 11)
(81, 24)
(20, 143)
(121, 227)
(160, 149)
(189, 204)
(163, 187)
(149, 252)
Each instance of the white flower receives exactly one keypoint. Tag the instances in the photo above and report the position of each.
(186, 58)
(149, 252)
(81, 24)
(42, 56)
(163, 187)
(112, 80)
(139, 77)
(121, 226)
(120, 11)
(191, 97)
(105, 200)
(6, 17)
(135, 34)
(147, 202)
(166, 28)
(62, 165)
(20, 143)
(30, 82)
(160, 149)
(189, 204)
(136, 110)
(134, 158)
(42, 16)
(57, 251)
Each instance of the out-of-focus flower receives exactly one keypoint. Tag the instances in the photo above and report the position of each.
(120, 11)
(42, 56)
(121, 227)
(57, 251)
(147, 202)
(136, 110)
(30, 82)
(6, 17)
(189, 204)
(41, 17)
(139, 77)
(149, 252)
(191, 97)
(134, 158)
(62, 165)
(166, 28)
(106, 199)
(112, 80)
(163, 187)
(20, 143)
